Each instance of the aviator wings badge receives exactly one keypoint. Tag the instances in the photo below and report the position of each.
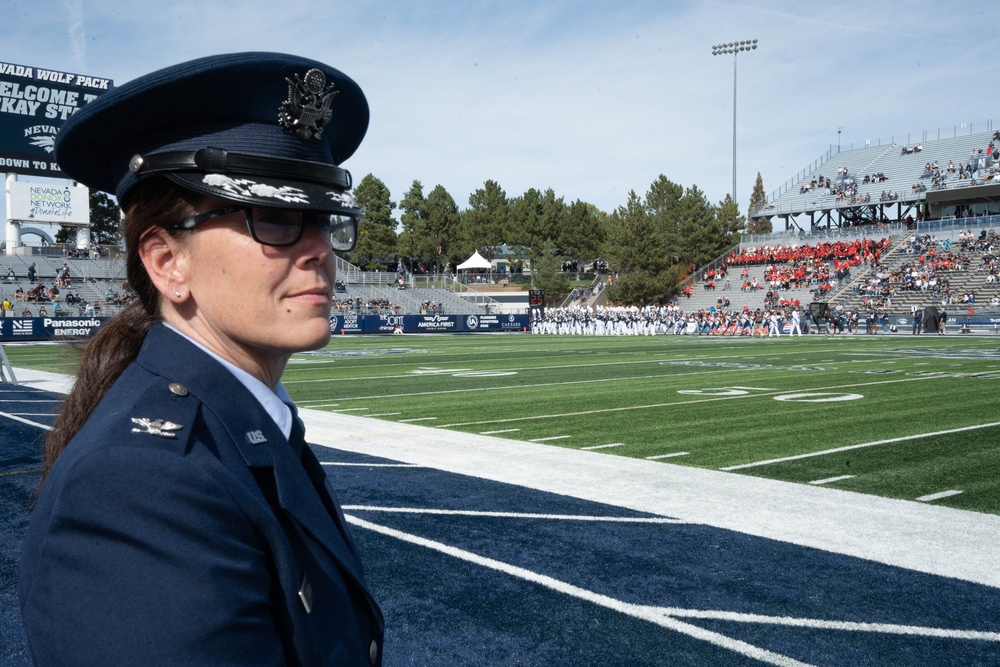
(158, 427)
(307, 108)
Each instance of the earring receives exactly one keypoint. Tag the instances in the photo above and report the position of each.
(177, 294)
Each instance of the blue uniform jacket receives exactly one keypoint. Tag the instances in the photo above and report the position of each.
(216, 546)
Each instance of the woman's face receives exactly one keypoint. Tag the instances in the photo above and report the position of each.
(252, 304)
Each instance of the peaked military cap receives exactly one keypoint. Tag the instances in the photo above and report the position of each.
(265, 129)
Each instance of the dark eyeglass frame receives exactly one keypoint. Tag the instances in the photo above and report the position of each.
(336, 222)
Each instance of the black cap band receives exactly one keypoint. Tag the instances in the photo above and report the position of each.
(220, 161)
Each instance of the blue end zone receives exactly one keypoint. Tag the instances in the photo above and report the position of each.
(804, 604)
(715, 597)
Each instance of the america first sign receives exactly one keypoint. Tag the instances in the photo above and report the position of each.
(34, 103)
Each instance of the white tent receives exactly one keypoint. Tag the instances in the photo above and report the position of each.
(477, 261)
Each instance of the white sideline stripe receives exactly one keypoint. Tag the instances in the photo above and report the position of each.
(636, 611)
(25, 421)
(341, 409)
(613, 444)
(666, 456)
(370, 465)
(554, 437)
(835, 450)
(852, 626)
(939, 540)
(503, 430)
(416, 419)
(385, 414)
(828, 480)
(938, 496)
(512, 515)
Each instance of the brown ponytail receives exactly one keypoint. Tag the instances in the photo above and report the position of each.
(156, 203)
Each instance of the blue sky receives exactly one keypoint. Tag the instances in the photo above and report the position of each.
(591, 99)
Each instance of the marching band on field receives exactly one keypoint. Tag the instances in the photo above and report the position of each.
(657, 320)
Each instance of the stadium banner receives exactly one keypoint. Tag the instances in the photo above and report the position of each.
(497, 322)
(350, 323)
(39, 202)
(13, 329)
(345, 323)
(34, 103)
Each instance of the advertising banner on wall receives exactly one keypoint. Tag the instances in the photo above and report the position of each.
(348, 323)
(39, 202)
(34, 103)
(500, 322)
(24, 329)
(13, 329)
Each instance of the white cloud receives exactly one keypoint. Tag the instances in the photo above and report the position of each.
(75, 33)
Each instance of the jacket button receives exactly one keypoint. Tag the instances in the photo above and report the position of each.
(178, 389)
(373, 653)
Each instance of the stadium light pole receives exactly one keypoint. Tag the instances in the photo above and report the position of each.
(734, 48)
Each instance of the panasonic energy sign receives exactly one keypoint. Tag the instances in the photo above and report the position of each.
(34, 103)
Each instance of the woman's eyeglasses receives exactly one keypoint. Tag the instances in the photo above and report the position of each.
(281, 228)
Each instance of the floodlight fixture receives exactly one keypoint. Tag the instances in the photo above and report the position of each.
(734, 48)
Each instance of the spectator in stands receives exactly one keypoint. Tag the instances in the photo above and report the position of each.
(31, 273)
(10, 274)
(178, 475)
(6, 306)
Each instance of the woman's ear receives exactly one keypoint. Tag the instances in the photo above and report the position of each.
(166, 262)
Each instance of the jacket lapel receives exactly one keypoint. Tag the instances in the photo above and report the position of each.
(258, 439)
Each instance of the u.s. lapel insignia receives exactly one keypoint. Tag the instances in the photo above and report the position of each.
(307, 108)
(256, 437)
(158, 427)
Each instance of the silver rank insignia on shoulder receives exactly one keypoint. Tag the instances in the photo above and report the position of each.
(307, 108)
(156, 427)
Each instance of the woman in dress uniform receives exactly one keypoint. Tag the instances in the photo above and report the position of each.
(181, 520)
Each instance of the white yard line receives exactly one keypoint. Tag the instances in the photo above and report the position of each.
(874, 443)
(830, 480)
(613, 444)
(938, 496)
(650, 614)
(510, 515)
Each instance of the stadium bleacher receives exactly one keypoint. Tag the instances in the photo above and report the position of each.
(902, 170)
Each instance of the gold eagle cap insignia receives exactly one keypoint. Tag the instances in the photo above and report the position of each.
(159, 427)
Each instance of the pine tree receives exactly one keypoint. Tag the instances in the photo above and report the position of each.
(376, 249)
(758, 199)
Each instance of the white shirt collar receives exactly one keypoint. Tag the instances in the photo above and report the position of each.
(276, 403)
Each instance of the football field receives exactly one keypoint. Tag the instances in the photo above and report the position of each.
(563, 500)
(897, 416)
